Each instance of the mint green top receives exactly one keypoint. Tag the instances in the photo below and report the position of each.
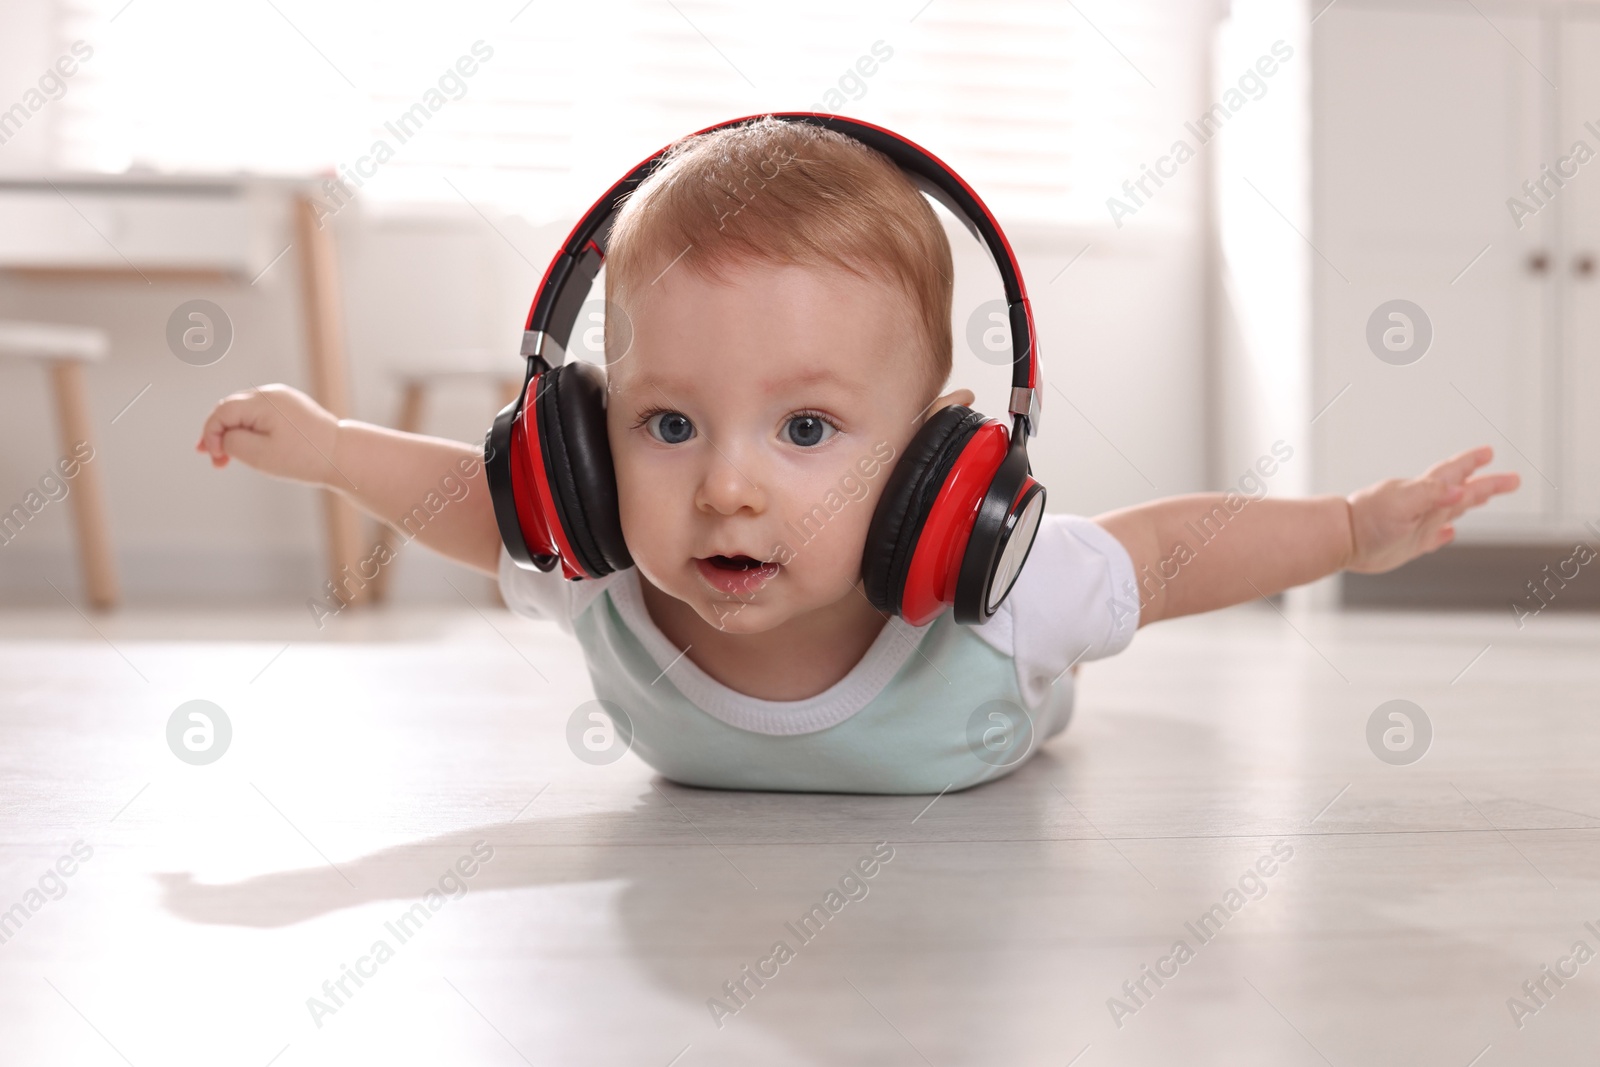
(927, 709)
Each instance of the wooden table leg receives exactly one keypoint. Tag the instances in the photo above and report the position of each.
(410, 420)
(88, 488)
(413, 395)
(510, 389)
(324, 320)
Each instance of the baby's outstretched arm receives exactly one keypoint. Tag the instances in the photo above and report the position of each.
(282, 432)
(1192, 553)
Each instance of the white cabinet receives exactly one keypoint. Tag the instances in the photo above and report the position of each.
(1576, 263)
(1427, 118)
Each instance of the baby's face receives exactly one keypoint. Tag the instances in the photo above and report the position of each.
(753, 424)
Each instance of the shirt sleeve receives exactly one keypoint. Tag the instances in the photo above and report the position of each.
(535, 594)
(1075, 599)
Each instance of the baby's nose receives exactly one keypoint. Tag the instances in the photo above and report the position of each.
(728, 489)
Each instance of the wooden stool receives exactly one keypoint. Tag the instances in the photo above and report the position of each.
(67, 349)
(468, 364)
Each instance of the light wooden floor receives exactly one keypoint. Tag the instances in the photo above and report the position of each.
(368, 758)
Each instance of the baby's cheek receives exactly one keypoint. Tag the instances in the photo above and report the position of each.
(832, 558)
(647, 520)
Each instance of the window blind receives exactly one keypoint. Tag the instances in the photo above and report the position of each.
(1045, 106)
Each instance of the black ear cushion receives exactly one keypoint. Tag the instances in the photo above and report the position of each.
(570, 409)
(908, 497)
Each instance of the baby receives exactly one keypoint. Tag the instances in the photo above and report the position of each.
(784, 349)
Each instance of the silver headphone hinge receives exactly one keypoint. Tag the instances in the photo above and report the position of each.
(533, 347)
(1025, 402)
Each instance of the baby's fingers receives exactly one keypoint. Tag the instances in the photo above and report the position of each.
(1477, 491)
(1488, 485)
(232, 412)
(211, 435)
(1454, 471)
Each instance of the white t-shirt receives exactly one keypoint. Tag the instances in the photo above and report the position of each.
(927, 708)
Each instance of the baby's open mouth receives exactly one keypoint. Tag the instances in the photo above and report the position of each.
(736, 574)
(734, 563)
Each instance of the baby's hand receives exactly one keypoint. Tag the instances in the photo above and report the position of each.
(275, 429)
(1399, 519)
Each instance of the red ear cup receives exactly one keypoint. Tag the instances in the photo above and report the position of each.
(571, 417)
(515, 509)
(551, 478)
(907, 498)
(951, 516)
(1001, 536)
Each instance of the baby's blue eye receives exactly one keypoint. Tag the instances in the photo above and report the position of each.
(809, 430)
(671, 427)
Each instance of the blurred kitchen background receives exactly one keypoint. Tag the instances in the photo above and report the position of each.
(1334, 261)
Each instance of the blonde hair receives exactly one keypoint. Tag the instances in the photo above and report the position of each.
(773, 190)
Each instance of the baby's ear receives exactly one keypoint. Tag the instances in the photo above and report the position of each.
(963, 397)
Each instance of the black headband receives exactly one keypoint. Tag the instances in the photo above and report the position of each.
(571, 274)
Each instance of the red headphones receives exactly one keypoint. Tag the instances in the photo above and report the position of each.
(959, 510)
